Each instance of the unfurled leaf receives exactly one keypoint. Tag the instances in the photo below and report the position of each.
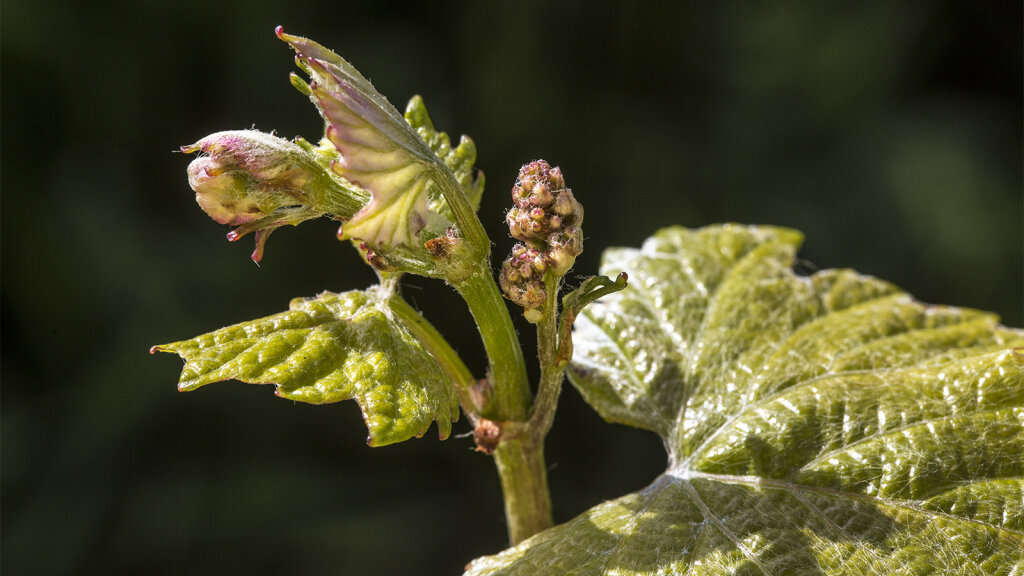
(330, 348)
(380, 151)
(826, 424)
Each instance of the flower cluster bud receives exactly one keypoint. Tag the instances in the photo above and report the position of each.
(546, 218)
(522, 277)
(543, 206)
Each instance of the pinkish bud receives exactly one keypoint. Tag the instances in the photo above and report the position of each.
(547, 218)
(520, 287)
(565, 203)
(555, 178)
(541, 195)
(259, 182)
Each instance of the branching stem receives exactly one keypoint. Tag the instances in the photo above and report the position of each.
(520, 461)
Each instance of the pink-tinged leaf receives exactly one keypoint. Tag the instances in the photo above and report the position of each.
(259, 182)
(380, 152)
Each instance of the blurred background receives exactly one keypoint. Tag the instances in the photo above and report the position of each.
(889, 132)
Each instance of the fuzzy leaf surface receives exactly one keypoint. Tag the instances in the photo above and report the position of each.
(398, 159)
(326, 349)
(823, 424)
(460, 160)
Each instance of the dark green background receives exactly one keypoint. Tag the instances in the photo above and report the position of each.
(889, 132)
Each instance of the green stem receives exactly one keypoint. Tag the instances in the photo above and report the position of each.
(542, 414)
(520, 460)
(524, 483)
(510, 390)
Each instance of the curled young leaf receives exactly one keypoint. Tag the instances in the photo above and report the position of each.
(827, 424)
(330, 348)
(260, 182)
(460, 160)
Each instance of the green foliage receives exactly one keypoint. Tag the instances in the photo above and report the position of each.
(331, 348)
(826, 424)
(822, 424)
(380, 151)
(459, 160)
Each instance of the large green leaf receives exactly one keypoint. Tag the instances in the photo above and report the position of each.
(826, 424)
(330, 348)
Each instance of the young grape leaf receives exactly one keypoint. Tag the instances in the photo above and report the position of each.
(826, 424)
(331, 348)
(459, 160)
(396, 159)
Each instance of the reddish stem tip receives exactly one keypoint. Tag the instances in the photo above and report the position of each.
(154, 349)
(279, 31)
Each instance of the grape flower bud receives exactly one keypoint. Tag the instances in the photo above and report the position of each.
(259, 182)
(546, 219)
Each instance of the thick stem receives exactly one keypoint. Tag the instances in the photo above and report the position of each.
(510, 390)
(524, 484)
(520, 460)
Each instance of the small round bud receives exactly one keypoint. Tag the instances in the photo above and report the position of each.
(568, 208)
(533, 315)
(541, 195)
(561, 260)
(564, 247)
(555, 178)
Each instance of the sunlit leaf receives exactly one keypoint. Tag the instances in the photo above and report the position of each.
(399, 162)
(823, 424)
(326, 349)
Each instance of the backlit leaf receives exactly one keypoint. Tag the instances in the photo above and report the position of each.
(823, 424)
(398, 159)
(326, 349)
